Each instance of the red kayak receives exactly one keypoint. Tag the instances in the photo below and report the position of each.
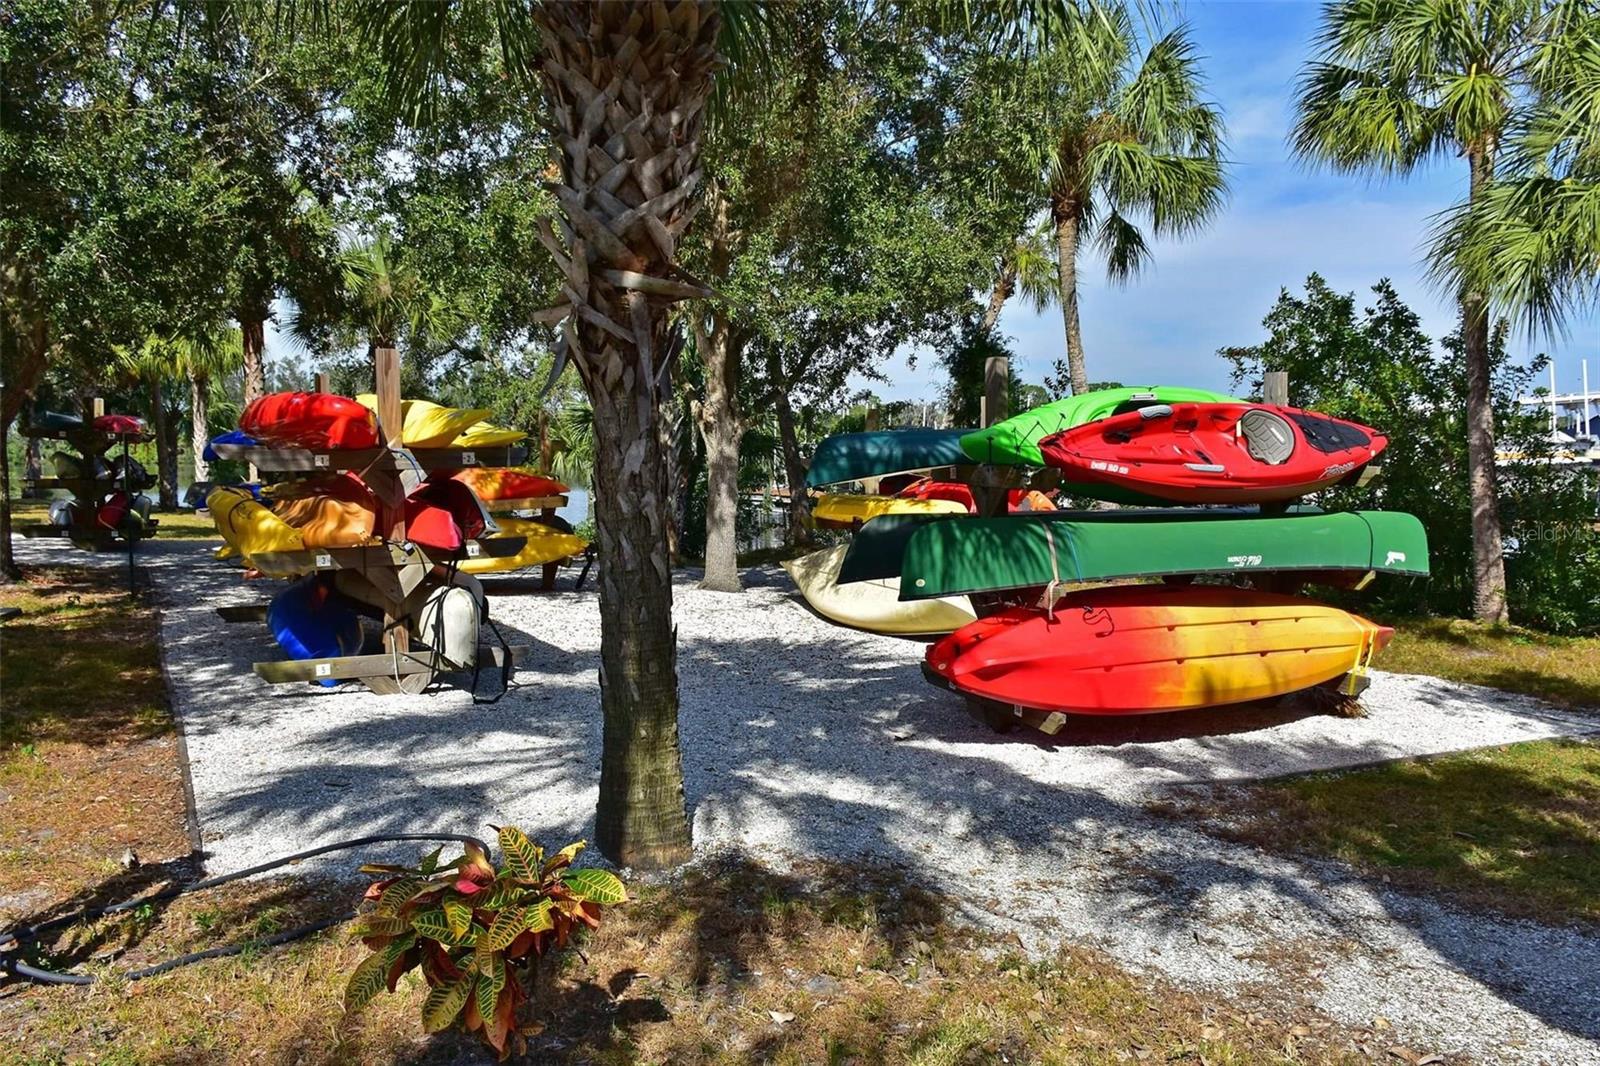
(1017, 500)
(508, 483)
(1215, 452)
(316, 420)
(120, 425)
(443, 515)
(1136, 649)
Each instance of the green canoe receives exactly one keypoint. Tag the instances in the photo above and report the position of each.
(937, 556)
(1015, 442)
(850, 456)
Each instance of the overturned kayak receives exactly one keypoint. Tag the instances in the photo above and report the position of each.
(492, 484)
(845, 510)
(317, 420)
(1015, 441)
(542, 544)
(874, 606)
(1137, 649)
(335, 511)
(425, 424)
(1215, 452)
(853, 456)
(485, 435)
(248, 528)
(943, 556)
(310, 620)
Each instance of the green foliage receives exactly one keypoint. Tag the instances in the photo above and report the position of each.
(475, 930)
(1376, 366)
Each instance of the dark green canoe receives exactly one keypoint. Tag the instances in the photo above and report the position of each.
(1015, 441)
(851, 456)
(950, 556)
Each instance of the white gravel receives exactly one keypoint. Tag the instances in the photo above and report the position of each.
(804, 739)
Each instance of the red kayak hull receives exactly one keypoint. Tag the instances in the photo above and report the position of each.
(1139, 649)
(1017, 500)
(508, 483)
(1215, 452)
(317, 420)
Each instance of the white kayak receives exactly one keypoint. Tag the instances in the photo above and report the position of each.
(872, 605)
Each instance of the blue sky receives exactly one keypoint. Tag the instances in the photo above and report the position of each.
(1282, 222)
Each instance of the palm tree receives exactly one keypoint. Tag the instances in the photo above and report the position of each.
(1531, 239)
(626, 86)
(1027, 266)
(202, 358)
(388, 299)
(1399, 82)
(1119, 137)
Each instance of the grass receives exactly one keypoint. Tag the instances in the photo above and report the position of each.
(1563, 670)
(1514, 829)
(724, 964)
(174, 525)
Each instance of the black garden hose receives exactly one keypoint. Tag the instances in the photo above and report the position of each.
(13, 941)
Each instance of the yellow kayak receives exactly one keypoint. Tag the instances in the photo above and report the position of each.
(250, 529)
(425, 424)
(543, 544)
(872, 605)
(852, 509)
(485, 435)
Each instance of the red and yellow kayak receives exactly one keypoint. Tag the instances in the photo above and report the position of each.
(1136, 649)
(492, 483)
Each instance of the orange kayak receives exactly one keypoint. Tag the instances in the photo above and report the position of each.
(508, 483)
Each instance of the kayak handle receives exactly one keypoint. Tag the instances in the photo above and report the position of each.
(1160, 410)
(1206, 468)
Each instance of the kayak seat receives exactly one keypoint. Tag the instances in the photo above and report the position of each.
(1268, 437)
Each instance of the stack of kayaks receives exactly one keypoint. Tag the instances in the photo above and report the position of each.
(278, 529)
(1196, 606)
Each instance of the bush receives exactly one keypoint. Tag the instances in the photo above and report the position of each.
(1378, 368)
(475, 930)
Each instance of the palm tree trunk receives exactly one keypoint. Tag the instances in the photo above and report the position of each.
(199, 433)
(8, 562)
(717, 418)
(794, 466)
(253, 336)
(166, 448)
(1066, 219)
(1003, 285)
(626, 84)
(32, 466)
(1488, 555)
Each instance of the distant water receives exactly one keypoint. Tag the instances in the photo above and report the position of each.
(577, 508)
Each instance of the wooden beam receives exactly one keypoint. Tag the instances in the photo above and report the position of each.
(1275, 388)
(996, 389)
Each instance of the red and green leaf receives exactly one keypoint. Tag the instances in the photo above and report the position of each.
(563, 858)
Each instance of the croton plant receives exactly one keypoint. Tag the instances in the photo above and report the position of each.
(475, 930)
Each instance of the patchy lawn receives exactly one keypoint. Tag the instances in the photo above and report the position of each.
(1563, 670)
(173, 525)
(1513, 829)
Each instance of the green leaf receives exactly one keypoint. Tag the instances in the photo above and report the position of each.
(564, 857)
(435, 926)
(458, 916)
(381, 925)
(596, 886)
(430, 862)
(536, 919)
(398, 894)
(507, 924)
(367, 981)
(504, 894)
(523, 856)
(445, 1002)
(491, 969)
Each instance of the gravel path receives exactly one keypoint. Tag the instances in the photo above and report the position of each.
(804, 739)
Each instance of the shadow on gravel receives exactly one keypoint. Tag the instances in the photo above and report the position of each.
(795, 739)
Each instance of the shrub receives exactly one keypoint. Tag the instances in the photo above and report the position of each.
(476, 931)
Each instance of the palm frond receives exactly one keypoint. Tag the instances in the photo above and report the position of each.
(1123, 246)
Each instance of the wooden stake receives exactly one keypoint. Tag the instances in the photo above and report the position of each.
(996, 389)
(1275, 388)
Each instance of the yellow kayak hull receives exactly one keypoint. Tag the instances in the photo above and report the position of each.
(425, 424)
(542, 544)
(852, 509)
(248, 528)
(874, 606)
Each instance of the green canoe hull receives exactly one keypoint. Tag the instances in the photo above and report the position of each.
(958, 556)
(1015, 441)
(852, 456)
